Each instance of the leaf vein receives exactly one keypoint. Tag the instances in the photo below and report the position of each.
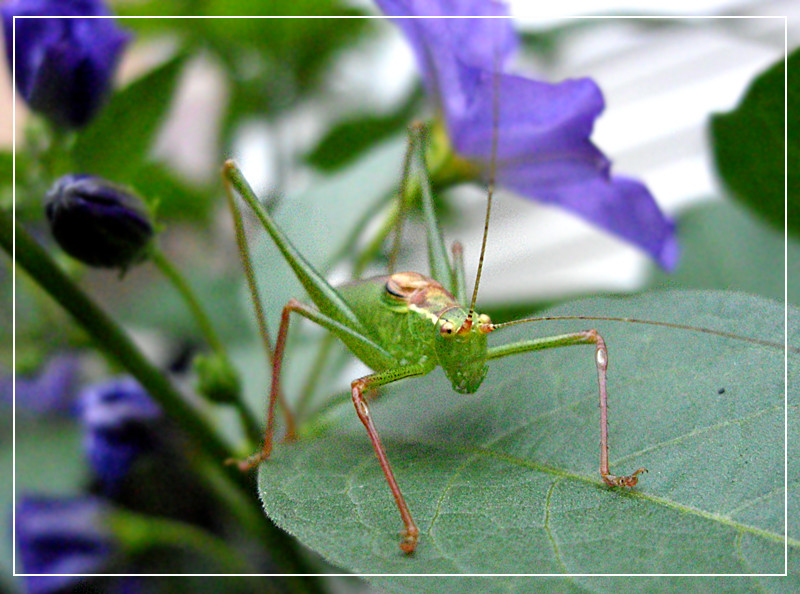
(674, 505)
(698, 431)
(550, 534)
(440, 502)
(752, 502)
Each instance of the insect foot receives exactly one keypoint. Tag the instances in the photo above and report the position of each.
(408, 543)
(623, 481)
(248, 463)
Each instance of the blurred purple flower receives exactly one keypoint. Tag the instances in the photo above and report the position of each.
(119, 420)
(544, 150)
(64, 66)
(98, 222)
(56, 535)
(52, 389)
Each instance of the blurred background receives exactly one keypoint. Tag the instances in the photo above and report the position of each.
(315, 112)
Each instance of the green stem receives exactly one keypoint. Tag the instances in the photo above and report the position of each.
(138, 533)
(375, 245)
(111, 339)
(176, 278)
(115, 344)
(206, 327)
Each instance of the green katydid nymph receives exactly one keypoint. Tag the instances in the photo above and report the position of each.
(404, 325)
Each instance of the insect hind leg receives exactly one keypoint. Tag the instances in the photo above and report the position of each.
(275, 394)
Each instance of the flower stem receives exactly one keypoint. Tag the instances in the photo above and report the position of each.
(138, 533)
(179, 282)
(111, 339)
(163, 263)
(114, 343)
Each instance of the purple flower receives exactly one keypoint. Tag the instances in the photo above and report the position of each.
(64, 66)
(52, 389)
(57, 535)
(544, 150)
(97, 222)
(119, 420)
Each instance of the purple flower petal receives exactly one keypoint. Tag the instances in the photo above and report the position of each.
(442, 45)
(118, 418)
(61, 536)
(544, 149)
(51, 390)
(538, 123)
(622, 206)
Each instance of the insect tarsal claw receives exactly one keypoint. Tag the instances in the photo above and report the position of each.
(248, 463)
(409, 541)
(623, 481)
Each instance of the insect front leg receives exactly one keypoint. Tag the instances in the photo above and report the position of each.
(601, 361)
(410, 534)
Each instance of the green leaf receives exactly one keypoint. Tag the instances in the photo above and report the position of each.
(161, 307)
(749, 146)
(300, 46)
(725, 247)
(351, 138)
(178, 199)
(271, 63)
(6, 178)
(118, 142)
(505, 480)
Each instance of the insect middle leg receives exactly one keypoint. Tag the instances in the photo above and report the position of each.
(601, 361)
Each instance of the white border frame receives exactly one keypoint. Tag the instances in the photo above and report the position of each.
(557, 575)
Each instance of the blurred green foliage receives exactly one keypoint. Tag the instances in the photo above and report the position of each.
(119, 140)
(750, 145)
(725, 247)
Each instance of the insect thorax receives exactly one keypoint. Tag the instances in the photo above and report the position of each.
(435, 328)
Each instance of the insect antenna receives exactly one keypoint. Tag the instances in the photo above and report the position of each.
(492, 173)
(758, 341)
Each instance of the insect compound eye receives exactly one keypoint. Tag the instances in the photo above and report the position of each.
(485, 323)
(447, 328)
(403, 284)
(393, 290)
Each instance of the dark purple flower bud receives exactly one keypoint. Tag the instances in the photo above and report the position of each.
(67, 536)
(64, 67)
(544, 149)
(97, 222)
(120, 424)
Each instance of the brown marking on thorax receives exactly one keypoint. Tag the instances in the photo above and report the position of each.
(420, 293)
